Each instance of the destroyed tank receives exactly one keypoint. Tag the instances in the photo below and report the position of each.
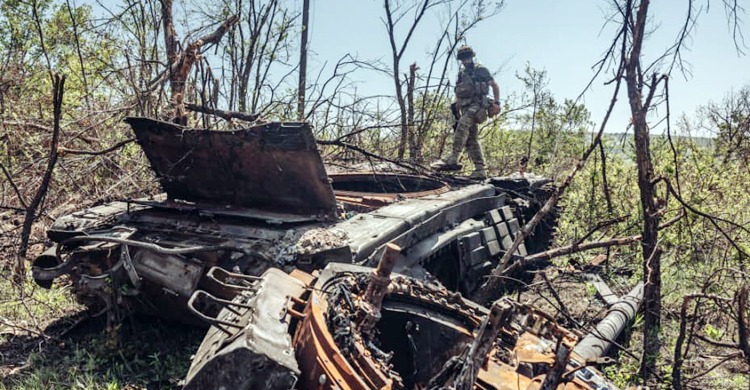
(252, 199)
(256, 239)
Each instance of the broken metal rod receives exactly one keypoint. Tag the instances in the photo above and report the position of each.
(369, 310)
(555, 374)
(500, 314)
(381, 277)
(460, 372)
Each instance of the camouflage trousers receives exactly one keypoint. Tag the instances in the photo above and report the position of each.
(467, 134)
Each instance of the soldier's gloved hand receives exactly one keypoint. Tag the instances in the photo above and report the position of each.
(494, 109)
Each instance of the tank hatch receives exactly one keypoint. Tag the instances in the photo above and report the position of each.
(271, 167)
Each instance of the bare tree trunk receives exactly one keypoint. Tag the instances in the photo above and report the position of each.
(170, 35)
(649, 243)
(605, 185)
(256, 21)
(415, 151)
(176, 85)
(59, 83)
(402, 107)
(397, 53)
(303, 61)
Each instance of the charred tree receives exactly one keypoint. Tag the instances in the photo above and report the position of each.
(397, 53)
(31, 210)
(180, 63)
(649, 243)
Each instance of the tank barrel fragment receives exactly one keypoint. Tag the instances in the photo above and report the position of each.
(596, 344)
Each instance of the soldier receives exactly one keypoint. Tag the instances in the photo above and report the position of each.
(472, 87)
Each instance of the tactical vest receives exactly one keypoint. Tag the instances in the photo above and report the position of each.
(470, 86)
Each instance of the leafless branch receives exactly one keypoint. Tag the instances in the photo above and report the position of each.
(227, 115)
(63, 151)
(492, 284)
(13, 185)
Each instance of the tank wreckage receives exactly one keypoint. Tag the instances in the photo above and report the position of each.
(311, 279)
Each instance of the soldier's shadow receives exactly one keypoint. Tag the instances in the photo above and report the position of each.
(144, 352)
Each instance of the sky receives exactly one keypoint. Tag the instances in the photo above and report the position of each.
(565, 38)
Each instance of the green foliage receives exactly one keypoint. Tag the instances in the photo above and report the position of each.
(712, 332)
(552, 134)
(83, 359)
(697, 256)
(625, 373)
(730, 121)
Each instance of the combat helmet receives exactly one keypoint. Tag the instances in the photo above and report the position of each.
(464, 51)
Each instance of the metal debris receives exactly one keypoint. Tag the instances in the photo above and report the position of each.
(425, 337)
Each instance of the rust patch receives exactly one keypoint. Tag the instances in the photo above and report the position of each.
(372, 190)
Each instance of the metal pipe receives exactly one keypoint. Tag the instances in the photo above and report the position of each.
(369, 309)
(160, 249)
(596, 343)
(381, 277)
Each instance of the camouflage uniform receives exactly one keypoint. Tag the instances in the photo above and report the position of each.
(472, 86)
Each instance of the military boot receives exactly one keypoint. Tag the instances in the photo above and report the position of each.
(459, 140)
(450, 163)
(446, 165)
(478, 174)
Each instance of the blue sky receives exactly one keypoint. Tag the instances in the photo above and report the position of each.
(566, 38)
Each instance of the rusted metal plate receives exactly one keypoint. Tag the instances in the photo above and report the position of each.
(274, 167)
(258, 353)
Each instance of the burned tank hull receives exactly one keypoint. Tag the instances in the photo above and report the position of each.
(254, 239)
(260, 198)
(424, 336)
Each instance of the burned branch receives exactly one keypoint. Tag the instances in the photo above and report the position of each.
(31, 210)
(179, 64)
(14, 186)
(493, 283)
(224, 114)
(63, 151)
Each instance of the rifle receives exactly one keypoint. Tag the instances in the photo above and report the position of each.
(456, 115)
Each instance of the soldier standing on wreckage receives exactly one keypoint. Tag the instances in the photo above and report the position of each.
(472, 87)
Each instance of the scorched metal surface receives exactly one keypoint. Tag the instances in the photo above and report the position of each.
(274, 166)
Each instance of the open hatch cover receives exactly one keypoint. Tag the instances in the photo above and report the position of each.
(271, 167)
